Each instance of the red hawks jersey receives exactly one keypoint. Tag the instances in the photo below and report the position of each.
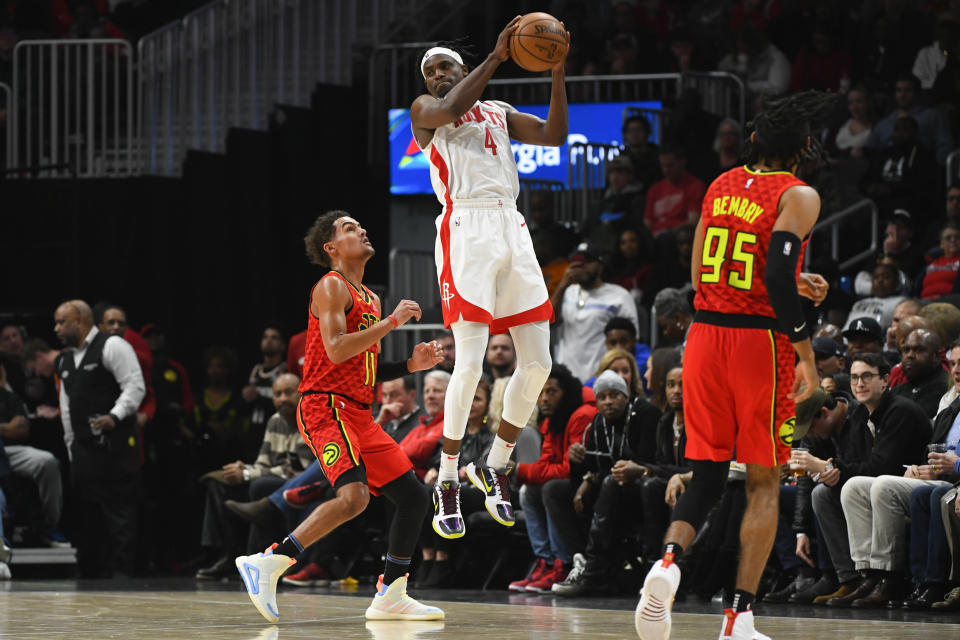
(737, 216)
(355, 378)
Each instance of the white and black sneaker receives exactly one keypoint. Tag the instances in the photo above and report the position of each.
(576, 581)
(496, 486)
(447, 520)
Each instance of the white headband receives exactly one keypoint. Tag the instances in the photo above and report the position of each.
(434, 51)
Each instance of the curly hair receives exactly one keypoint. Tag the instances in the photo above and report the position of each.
(319, 234)
(571, 400)
(784, 125)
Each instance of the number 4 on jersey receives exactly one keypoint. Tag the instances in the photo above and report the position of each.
(489, 142)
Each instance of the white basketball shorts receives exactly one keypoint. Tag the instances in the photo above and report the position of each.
(486, 266)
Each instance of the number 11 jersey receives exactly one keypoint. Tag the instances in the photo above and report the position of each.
(471, 158)
(738, 214)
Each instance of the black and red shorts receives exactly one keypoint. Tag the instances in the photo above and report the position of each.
(348, 443)
(735, 386)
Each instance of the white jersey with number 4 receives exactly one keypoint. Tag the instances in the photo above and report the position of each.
(471, 158)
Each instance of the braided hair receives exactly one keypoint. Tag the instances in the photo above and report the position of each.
(784, 126)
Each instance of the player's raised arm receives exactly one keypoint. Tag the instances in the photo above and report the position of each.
(331, 299)
(552, 132)
(444, 105)
(799, 208)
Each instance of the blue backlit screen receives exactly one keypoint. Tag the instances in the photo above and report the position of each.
(594, 122)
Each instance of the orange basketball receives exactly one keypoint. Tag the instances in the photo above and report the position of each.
(539, 42)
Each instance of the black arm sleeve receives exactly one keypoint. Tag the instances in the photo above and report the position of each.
(391, 370)
(781, 282)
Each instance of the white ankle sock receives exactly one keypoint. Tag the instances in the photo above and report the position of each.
(499, 453)
(448, 467)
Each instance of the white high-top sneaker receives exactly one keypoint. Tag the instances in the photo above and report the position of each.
(393, 603)
(260, 573)
(739, 626)
(652, 619)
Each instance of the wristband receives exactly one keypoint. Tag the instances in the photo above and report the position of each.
(246, 474)
(396, 325)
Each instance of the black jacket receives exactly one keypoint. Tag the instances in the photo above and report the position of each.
(666, 463)
(926, 392)
(606, 442)
(944, 421)
(902, 434)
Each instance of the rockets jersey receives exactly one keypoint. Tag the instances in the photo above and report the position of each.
(354, 378)
(737, 216)
(471, 158)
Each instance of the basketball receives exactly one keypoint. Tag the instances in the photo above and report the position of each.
(539, 42)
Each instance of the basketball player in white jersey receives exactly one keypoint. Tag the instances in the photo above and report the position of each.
(490, 281)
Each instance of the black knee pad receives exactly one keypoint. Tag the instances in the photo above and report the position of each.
(703, 491)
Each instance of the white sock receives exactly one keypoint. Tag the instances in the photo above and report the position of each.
(499, 453)
(448, 467)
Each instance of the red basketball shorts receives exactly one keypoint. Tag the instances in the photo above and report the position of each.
(348, 443)
(735, 386)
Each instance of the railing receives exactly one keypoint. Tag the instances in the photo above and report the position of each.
(953, 168)
(557, 195)
(586, 174)
(413, 275)
(832, 224)
(8, 123)
(722, 92)
(226, 65)
(73, 103)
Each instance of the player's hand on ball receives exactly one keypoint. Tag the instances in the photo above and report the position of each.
(502, 48)
(563, 61)
(405, 310)
(813, 286)
(425, 355)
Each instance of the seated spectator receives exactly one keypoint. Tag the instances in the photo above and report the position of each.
(546, 496)
(863, 335)
(940, 276)
(38, 466)
(644, 154)
(552, 258)
(619, 334)
(218, 424)
(831, 362)
(42, 398)
(662, 360)
(942, 319)
(583, 304)
(435, 570)
(420, 444)
(296, 349)
(905, 327)
(929, 548)
(885, 295)
(932, 60)
(541, 218)
(884, 433)
(826, 415)
(851, 136)
(632, 261)
(931, 130)
(926, 380)
(691, 127)
(672, 268)
(907, 308)
(898, 244)
(674, 315)
(257, 394)
(675, 200)
(763, 67)
(820, 65)
(728, 146)
(11, 346)
(501, 358)
(283, 454)
(902, 174)
(449, 351)
(609, 467)
(399, 412)
(620, 208)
